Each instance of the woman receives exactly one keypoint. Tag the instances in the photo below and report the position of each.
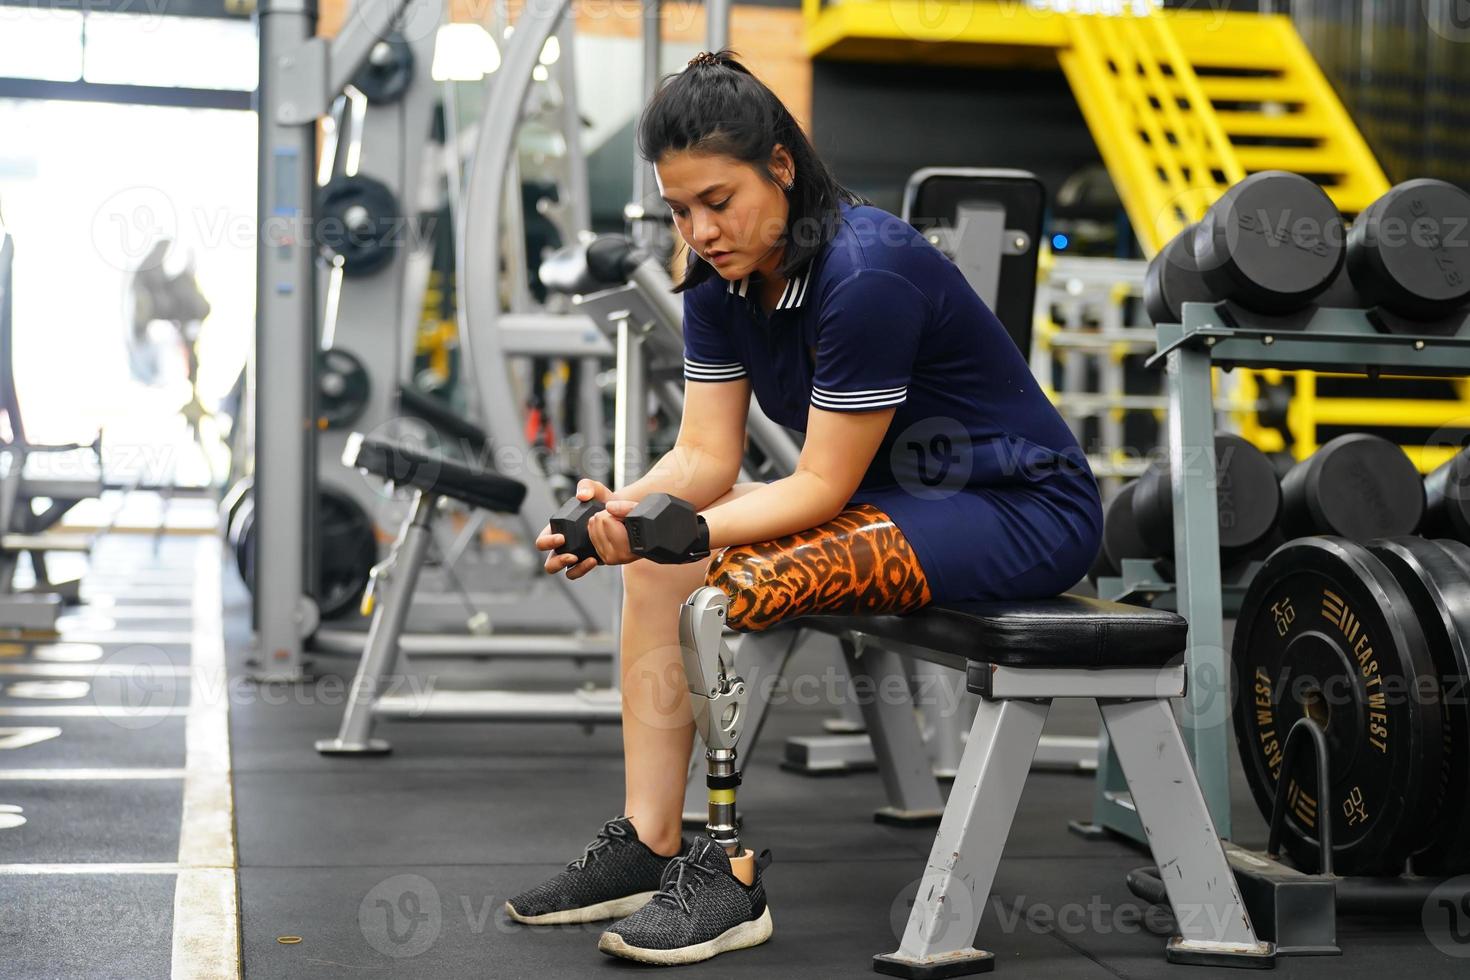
(934, 470)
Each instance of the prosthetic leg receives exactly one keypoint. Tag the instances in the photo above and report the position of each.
(719, 699)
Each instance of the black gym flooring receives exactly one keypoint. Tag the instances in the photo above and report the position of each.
(461, 816)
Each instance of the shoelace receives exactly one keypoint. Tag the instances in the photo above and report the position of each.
(612, 830)
(680, 891)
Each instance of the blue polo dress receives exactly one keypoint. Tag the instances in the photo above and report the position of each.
(977, 468)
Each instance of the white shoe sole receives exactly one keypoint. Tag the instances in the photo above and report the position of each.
(615, 909)
(751, 933)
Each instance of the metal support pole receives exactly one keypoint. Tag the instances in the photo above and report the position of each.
(645, 187)
(1197, 571)
(717, 25)
(284, 343)
(380, 655)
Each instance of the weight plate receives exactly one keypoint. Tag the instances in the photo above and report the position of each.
(1409, 252)
(347, 550)
(1359, 486)
(1447, 500)
(1271, 243)
(242, 540)
(1173, 279)
(359, 221)
(1439, 591)
(1247, 497)
(230, 503)
(1120, 531)
(342, 388)
(1321, 634)
(388, 71)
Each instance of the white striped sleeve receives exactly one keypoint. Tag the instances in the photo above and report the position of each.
(709, 353)
(698, 371)
(859, 401)
(868, 338)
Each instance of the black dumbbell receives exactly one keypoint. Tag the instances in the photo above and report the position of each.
(1447, 499)
(1121, 537)
(1408, 255)
(1358, 486)
(1173, 279)
(1247, 500)
(570, 521)
(663, 528)
(1271, 244)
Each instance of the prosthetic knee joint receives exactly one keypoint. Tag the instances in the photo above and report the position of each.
(719, 698)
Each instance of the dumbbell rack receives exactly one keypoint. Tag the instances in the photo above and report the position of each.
(1226, 337)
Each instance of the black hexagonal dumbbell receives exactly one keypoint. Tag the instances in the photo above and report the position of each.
(663, 529)
(570, 521)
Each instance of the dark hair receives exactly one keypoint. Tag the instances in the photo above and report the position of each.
(717, 106)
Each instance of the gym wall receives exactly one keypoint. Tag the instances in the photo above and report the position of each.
(865, 125)
(768, 36)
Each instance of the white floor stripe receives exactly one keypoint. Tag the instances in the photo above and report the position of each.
(94, 670)
(89, 775)
(88, 869)
(206, 941)
(133, 637)
(89, 711)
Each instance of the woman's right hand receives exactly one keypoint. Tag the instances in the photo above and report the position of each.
(546, 541)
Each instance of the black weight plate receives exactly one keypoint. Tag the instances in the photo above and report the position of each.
(242, 540)
(1439, 590)
(342, 388)
(1101, 567)
(1173, 279)
(347, 550)
(1322, 633)
(1271, 243)
(1121, 538)
(1409, 252)
(1247, 497)
(1447, 500)
(1458, 550)
(388, 71)
(358, 220)
(1359, 486)
(230, 503)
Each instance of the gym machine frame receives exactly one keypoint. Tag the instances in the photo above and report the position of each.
(301, 75)
(1331, 339)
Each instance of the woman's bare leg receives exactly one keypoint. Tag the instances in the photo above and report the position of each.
(658, 724)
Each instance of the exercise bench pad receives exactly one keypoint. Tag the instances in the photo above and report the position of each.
(1064, 631)
(404, 466)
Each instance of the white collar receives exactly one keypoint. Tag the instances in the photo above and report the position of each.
(791, 297)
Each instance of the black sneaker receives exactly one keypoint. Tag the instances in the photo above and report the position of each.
(616, 875)
(701, 911)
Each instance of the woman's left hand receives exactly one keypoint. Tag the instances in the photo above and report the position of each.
(609, 535)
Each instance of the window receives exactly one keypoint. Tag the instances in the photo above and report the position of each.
(186, 52)
(40, 44)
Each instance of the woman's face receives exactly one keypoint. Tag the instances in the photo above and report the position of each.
(727, 211)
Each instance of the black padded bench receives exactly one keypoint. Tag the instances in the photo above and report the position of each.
(434, 475)
(1018, 656)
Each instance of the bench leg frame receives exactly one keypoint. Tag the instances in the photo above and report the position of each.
(1214, 927)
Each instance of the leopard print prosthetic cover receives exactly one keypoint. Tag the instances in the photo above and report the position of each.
(858, 562)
